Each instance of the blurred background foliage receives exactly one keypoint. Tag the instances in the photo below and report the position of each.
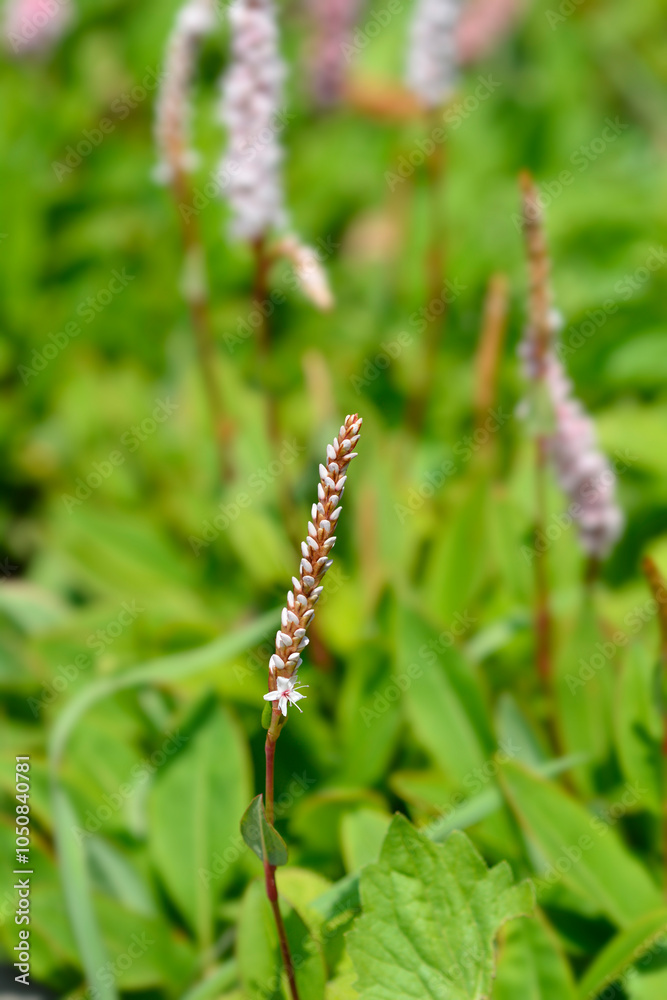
(104, 582)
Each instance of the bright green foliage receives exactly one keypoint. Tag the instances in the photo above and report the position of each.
(143, 608)
(581, 850)
(532, 964)
(195, 810)
(636, 947)
(430, 916)
(638, 723)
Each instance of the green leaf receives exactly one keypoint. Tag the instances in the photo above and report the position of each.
(362, 833)
(651, 985)
(439, 718)
(260, 836)
(114, 874)
(369, 714)
(531, 964)
(158, 671)
(581, 849)
(345, 892)
(622, 952)
(219, 979)
(76, 886)
(460, 556)
(195, 807)
(145, 952)
(513, 728)
(637, 723)
(430, 917)
(583, 685)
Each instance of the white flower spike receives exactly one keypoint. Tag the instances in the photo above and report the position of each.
(296, 617)
(286, 693)
(432, 54)
(194, 20)
(251, 109)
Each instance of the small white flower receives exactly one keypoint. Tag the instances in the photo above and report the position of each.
(286, 693)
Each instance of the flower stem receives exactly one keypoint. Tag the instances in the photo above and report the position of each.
(269, 870)
(272, 893)
(659, 589)
(260, 296)
(435, 266)
(542, 608)
(197, 301)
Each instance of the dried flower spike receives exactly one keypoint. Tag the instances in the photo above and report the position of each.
(35, 25)
(308, 270)
(298, 613)
(249, 173)
(583, 472)
(432, 54)
(194, 20)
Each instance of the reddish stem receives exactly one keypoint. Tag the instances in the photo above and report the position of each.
(260, 295)
(269, 870)
(272, 893)
(200, 320)
(435, 266)
(542, 610)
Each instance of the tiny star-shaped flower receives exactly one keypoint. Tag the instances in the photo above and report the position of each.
(286, 693)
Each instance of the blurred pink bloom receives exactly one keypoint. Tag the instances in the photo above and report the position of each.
(583, 472)
(252, 93)
(333, 22)
(35, 25)
(483, 24)
(194, 20)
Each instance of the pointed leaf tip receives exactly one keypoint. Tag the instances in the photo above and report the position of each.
(261, 837)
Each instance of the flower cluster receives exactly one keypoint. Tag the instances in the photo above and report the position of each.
(333, 21)
(583, 472)
(172, 124)
(432, 53)
(483, 25)
(297, 615)
(249, 109)
(35, 25)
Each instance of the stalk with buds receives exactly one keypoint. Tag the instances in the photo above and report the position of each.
(332, 22)
(564, 433)
(250, 105)
(432, 53)
(568, 434)
(194, 20)
(250, 176)
(284, 689)
(250, 172)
